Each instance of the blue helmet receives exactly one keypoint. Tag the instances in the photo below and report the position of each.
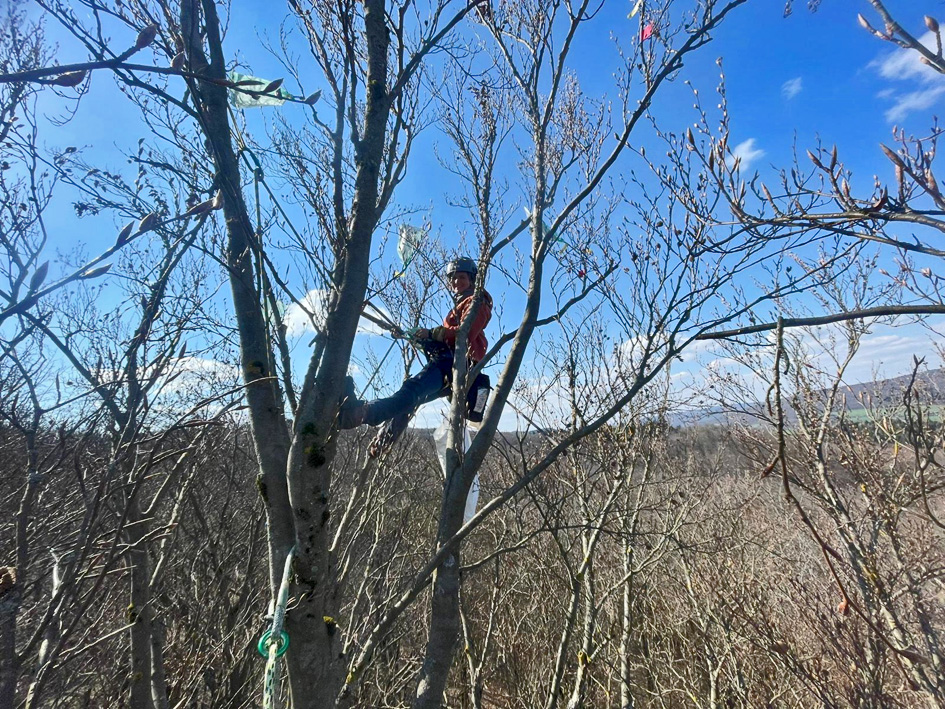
(463, 264)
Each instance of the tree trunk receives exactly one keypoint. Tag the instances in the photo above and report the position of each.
(554, 689)
(316, 667)
(263, 396)
(444, 612)
(626, 627)
(579, 690)
(9, 607)
(158, 678)
(11, 595)
(50, 640)
(139, 610)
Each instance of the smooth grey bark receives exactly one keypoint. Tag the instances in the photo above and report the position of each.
(51, 638)
(444, 610)
(626, 628)
(11, 594)
(564, 645)
(263, 397)
(444, 618)
(133, 528)
(144, 682)
(579, 689)
(316, 668)
(444, 607)
(11, 590)
(158, 677)
(300, 464)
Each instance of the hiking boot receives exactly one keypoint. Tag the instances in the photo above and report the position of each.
(351, 414)
(353, 410)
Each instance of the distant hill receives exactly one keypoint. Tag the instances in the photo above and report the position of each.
(878, 394)
(884, 393)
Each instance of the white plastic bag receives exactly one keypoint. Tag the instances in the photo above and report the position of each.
(439, 439)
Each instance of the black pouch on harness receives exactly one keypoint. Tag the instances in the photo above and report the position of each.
(434, 350)
(477, 398)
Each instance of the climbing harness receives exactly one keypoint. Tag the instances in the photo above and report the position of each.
(275, 641)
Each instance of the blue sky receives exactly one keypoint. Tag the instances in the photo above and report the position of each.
(809, 74)
(789, 80)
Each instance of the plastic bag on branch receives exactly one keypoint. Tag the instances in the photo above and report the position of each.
(439, 439)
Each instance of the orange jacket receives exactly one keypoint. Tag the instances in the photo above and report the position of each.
(446, 333)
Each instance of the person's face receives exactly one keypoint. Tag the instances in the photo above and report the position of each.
(459, 281)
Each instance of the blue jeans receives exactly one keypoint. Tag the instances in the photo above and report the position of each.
(430, 383)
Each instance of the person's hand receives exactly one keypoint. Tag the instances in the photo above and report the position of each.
(418, 334)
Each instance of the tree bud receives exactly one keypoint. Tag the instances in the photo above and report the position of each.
(124, 234)
(272, 86)
(69, 79)
(38, 277)
(96, 272)
(147, 223)
(199, 208)
(146, 36)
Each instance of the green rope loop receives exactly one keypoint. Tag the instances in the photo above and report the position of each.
(282, 644)
(275, 641)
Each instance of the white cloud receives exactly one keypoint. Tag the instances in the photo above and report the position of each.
(905, 65)
(201, 374)
(746, 153)
(189, 380)
(914, 101)
(184, 375)
(207, 367)
(885, 352)
(309, 315)
(791, 88)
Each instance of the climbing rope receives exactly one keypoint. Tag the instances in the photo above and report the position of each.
(377, 369)
(252, 161)
(275, 641)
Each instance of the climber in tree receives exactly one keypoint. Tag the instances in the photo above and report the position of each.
(435, 379)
